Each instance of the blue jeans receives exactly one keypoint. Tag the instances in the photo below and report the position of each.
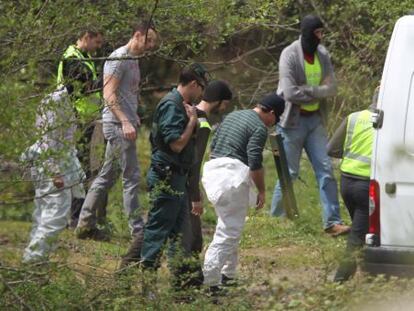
(310, 135)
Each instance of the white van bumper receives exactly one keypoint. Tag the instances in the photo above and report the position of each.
(389, 261)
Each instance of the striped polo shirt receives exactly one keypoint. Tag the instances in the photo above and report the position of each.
(242, 135)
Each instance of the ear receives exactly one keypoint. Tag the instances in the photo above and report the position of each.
(137, 35)
(216, 104)
(86, 36)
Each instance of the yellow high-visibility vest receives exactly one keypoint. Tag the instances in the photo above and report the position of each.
(88, 106)
(313, 73)
(204, 123)
(356, 158)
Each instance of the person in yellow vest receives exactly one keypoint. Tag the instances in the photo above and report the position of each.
(306, 81)
(352, 142)
(77, 72)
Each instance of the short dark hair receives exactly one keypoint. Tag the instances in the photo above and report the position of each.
(93, 33)
(193, 72)
(142, 28)
(186, 76)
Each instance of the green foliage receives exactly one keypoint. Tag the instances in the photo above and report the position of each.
(34, 34)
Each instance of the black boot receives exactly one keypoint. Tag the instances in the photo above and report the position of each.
(188, 275)
(92, 234)
(228, 282)
(133, 254)
(346, 270)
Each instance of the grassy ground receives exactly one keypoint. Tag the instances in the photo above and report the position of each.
(284, 265)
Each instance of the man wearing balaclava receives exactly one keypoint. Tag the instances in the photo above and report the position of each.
(306, 81)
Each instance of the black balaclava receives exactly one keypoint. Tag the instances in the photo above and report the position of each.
(308, 39)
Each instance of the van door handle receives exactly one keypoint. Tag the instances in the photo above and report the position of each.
(390, 187)
(377, 118)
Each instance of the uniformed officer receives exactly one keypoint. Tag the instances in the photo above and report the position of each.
(352, 142)
(172, 139)
(77, 72)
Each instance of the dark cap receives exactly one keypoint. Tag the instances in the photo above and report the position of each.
(217, 90)
(274, 102)
(200, 72)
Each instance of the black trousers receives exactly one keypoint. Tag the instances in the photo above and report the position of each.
(83, 147)
(192, 234)
(355, 193)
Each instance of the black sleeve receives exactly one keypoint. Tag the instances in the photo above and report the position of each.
(336, 143)
(75, 72)
(194, 174)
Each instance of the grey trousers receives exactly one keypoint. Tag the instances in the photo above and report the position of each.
(120, 156)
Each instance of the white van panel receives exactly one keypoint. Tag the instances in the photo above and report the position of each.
(409, 124)
(393, 156)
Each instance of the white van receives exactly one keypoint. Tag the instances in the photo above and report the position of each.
(390, 241)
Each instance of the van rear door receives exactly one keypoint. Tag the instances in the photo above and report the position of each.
(393, 154)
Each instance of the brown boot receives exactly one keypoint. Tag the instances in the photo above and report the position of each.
(338, 229)
(92, 234)
(133, 254)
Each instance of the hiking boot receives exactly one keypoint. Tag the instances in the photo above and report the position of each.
(228, 282)
(133, 254)
(345, 271)
(92, 234)
(337, 230)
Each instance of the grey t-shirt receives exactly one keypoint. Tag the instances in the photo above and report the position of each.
(127, 71)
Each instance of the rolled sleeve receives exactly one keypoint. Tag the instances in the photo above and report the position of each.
(255, 148)
(171, 122)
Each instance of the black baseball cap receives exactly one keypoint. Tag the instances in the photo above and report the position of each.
(274, 102)
(200, 72)
(217, 90)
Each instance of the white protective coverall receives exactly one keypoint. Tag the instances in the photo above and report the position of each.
(53, 155)
(229, 188)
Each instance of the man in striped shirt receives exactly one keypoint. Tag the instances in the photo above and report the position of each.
(236, 161)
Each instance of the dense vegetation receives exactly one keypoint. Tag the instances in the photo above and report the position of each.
(239, 40)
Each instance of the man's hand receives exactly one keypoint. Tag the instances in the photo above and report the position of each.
(327, 80)
(58, 182)
(197, 208)
(260, 200)
(128, 130)
(191, 112)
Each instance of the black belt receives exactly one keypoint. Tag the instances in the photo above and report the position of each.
(166, 170)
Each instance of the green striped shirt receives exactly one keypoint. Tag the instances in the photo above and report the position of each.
(242, 136)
